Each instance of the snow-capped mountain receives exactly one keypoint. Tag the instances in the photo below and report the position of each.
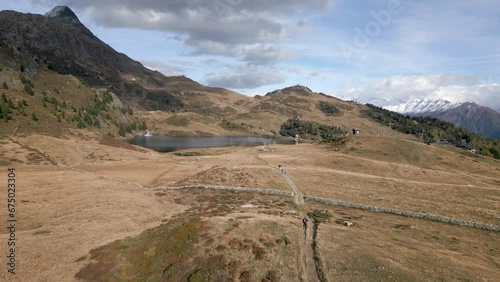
(422, 106)
(410, 107)
(471, 116)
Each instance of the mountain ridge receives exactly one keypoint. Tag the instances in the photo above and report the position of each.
(473, 117)
(423, 106)
(62, 44)
(469, 115)
(63, 12)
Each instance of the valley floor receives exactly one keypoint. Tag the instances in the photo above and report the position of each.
(86, 208)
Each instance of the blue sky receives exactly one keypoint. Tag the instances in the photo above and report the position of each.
(354, 49)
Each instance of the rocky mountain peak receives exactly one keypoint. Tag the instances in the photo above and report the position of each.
(63, 12)
(297, 89)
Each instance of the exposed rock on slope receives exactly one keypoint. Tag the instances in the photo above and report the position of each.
(59, 41)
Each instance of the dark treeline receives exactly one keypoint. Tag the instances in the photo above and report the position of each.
(310, 129)
(328, 108)
(431, 130)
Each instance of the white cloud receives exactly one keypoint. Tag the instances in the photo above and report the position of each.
(299, 40)
(247, 30)
(259, 54)
(453, 88)
(164, 68)
(245, 77)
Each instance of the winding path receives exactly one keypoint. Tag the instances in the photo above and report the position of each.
(309, 271)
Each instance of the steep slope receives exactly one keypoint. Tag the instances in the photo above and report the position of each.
(473, 117)
(59, 42)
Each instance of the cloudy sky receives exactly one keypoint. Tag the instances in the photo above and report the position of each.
(402, 49)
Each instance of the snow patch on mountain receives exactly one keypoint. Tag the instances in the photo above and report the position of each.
(412, 107)
(422, 106)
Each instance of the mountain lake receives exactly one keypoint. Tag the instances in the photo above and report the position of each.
(173, 143)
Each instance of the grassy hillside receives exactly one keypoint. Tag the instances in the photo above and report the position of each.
(432, 130)
(51, 104)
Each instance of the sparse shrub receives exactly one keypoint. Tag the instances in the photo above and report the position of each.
(5, 112)
(143, 126)
(245, 276)
(328, 108)
(11, 104)
(258, 251)
(33, 117)
(494, 152)
(271, 276)
(228, 125)
(121, 132)
(80, 124)
(220, 248)
(20, 105)
(5, 86)
(88, 120)
(53, 101)
(29, 89)
(25, 80)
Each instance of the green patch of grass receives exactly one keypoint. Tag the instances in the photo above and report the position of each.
(4, 163)
(319, 216)
(178, 120)
(159, 254)
(231, 126)
(328, 108)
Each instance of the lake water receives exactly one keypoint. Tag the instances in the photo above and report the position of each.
(173, 143)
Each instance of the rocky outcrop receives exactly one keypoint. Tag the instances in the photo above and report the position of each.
(60, 42)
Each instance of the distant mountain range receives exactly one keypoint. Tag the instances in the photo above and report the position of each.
(471, 116)
(59, 42)
(423, 107)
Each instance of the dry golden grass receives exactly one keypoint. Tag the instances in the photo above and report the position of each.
(381, 247)
(214, 240)
(64, 214)
(403, 175)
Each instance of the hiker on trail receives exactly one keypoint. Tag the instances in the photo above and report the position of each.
(280, 168)
(304, 222)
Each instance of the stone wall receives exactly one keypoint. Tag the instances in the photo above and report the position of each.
(421, 215)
